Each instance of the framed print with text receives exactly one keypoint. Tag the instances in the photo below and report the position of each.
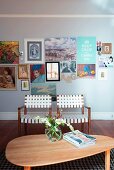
(34, 51)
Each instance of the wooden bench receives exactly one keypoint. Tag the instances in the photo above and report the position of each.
(66, 105)
(34, 105)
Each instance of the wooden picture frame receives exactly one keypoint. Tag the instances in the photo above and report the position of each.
(8, 77)
(34, 51)
(23, 71)
(52, 71)
(25, 85)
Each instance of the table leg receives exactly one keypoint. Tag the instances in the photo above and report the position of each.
(107, 159)
(27, 168)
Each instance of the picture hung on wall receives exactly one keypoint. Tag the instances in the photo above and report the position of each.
(102, 74)
(99, 47)
(106, 61)
(86, 71)
(68, 66)
(8, 79)
(86, 50)
(23, 71)
(9, 52)
(68, 77)
(52, 71)
(43, 89)
(60, 49)
(106, 48)
(25, 85)
(37, 72)
(34, 51)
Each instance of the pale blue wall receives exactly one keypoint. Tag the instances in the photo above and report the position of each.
(99, 94)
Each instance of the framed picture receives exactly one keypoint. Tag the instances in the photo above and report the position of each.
(8, 77)
(9, 52)
(37, 72)
(34, 51)
(25, 85)
(106, 48)
(23, 71)
(52, 71)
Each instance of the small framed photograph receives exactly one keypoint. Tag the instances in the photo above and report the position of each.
(8, 77)
(25, 85)
(23, 71)
(34, 51)
(52, 71)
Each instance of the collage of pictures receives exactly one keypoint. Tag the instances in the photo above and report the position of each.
(52, 60)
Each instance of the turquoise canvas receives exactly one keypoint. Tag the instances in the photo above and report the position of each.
(86, 50)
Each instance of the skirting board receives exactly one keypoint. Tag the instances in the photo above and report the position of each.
(94, 116)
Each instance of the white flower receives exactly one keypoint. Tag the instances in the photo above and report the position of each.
(60, 121)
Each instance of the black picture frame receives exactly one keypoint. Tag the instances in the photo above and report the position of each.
(52, 71)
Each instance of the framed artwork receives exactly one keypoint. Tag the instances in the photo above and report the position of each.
(37, 72)
(9, 52)
(8, 79)
(52, 71)
(44, 89)
(106, 48)
(102, 74)
(23, 71)
(34, 51)
(60, 49)
(86, 70)
(25, 85)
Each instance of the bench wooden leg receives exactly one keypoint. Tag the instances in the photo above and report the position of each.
(82, 127)
(19, 127)
(25, 128)
(107, 160)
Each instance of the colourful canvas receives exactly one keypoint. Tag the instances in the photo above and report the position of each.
(9, 52)
(37, 73)
(86, 70)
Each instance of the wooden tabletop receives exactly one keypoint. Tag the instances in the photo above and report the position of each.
(37, 150)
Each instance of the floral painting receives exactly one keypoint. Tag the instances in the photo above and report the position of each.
(9, 52)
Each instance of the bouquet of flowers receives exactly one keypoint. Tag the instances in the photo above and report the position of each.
(52, 125)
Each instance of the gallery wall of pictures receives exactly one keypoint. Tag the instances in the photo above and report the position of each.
(51, 60)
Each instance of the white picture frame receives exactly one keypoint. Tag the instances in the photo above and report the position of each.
(34, 50)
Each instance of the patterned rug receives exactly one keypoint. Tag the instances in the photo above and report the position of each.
(96, 162)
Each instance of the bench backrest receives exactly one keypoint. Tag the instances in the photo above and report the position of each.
(38, 101)
(70, 101)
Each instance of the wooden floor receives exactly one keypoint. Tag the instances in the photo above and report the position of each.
(9, 131)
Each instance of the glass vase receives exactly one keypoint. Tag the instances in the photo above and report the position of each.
(53, 135)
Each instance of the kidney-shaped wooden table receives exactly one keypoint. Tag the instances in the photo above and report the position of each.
(37, 150)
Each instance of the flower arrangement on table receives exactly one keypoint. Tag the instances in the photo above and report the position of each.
(52, 125)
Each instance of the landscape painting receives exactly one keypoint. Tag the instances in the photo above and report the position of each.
(60, 49)
(43, 89)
